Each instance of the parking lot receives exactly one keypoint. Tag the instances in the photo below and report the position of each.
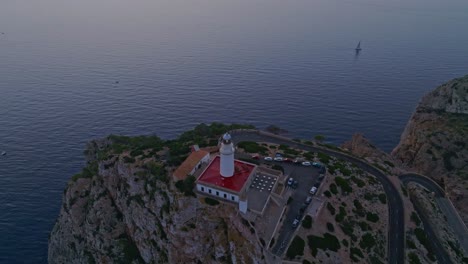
(306, 178)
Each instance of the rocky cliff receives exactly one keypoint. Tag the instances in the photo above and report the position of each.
(435, 140)
(123, 208)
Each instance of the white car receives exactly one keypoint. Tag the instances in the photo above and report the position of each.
(306, 163)
(268, 158)
(313, 190)
(290, 181)
(278, 159)
(295, 223)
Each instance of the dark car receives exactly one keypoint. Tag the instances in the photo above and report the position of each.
(294, 185)
(316, 185)
(308, 200)
(321, 177)
(323, 170)
(303, 208)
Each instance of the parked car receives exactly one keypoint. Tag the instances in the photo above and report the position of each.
(316, 164)
(323, 170)
(278, 155)
(303, 207)
(298, 160)
(268, 158)
(255, 157)
(294, 184)
(290, 181)
(287, 160)
(306, 163)
(317, 184)
(308, 200)
(278, 159)
(313, 190)
(321, 177)
(295, 223)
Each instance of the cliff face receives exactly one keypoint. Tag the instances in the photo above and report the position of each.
(125, 210)
(435, 140)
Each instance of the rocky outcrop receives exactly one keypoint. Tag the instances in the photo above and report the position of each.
(126, 210)
(435, 141)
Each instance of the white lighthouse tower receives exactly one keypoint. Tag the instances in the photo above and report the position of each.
(227, 156)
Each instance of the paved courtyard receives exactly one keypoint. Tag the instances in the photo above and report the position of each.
(260, 190)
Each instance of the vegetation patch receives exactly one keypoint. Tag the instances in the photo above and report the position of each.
(307, 222)
(324, 158)
(252, 147)
(331, 208)
(296, 248)
(341, 215)
(328, 241)
(186, 186)
(367, 241)
(415, 218)
(422, 237)
(354, 253)
(360, 183)
(333, 188)
(371, 217)
(343, 184)
(211, 201)
(330, 227)
(383, 198)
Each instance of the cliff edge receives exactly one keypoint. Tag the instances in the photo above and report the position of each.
(124, 208)
(435, 140)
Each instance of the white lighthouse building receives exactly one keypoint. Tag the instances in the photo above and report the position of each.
(226, 151)
(226, 178)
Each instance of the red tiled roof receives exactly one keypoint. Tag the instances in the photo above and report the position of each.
(189, 163)
(242, 171)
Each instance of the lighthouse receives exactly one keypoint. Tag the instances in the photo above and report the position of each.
(226, 151)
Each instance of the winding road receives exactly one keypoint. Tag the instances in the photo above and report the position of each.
(396, 229)
(453, 219)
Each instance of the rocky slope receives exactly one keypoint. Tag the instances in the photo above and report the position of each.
(435, 140)
(123, 208)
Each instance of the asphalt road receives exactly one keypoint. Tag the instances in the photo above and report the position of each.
(396, 230)
(447, 209)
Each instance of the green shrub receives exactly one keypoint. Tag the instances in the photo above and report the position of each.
(324, 158)
(364, 226)
(367, 241)
(307, 222)
(305, 261)
(333, 188)
(371, 217)
(343, 184)
(415, 218)
(410, 244)
(423, 239)
(389, 163)
(354, 252)
(331, 209)
(327, 194)
(413, 258)
(330, 227)
(340, 217)
(345, 242)
(383, 198)
(328, 241)
(211, 201)
(187, 185)
(252, 147)
(296, 248)
(360, 183)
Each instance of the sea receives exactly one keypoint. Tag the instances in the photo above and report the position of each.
(73, 71)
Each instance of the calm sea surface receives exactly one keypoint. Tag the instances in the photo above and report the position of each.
(71, 71)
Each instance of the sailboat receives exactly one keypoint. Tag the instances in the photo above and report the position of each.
(358, 48)
(3, 153)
